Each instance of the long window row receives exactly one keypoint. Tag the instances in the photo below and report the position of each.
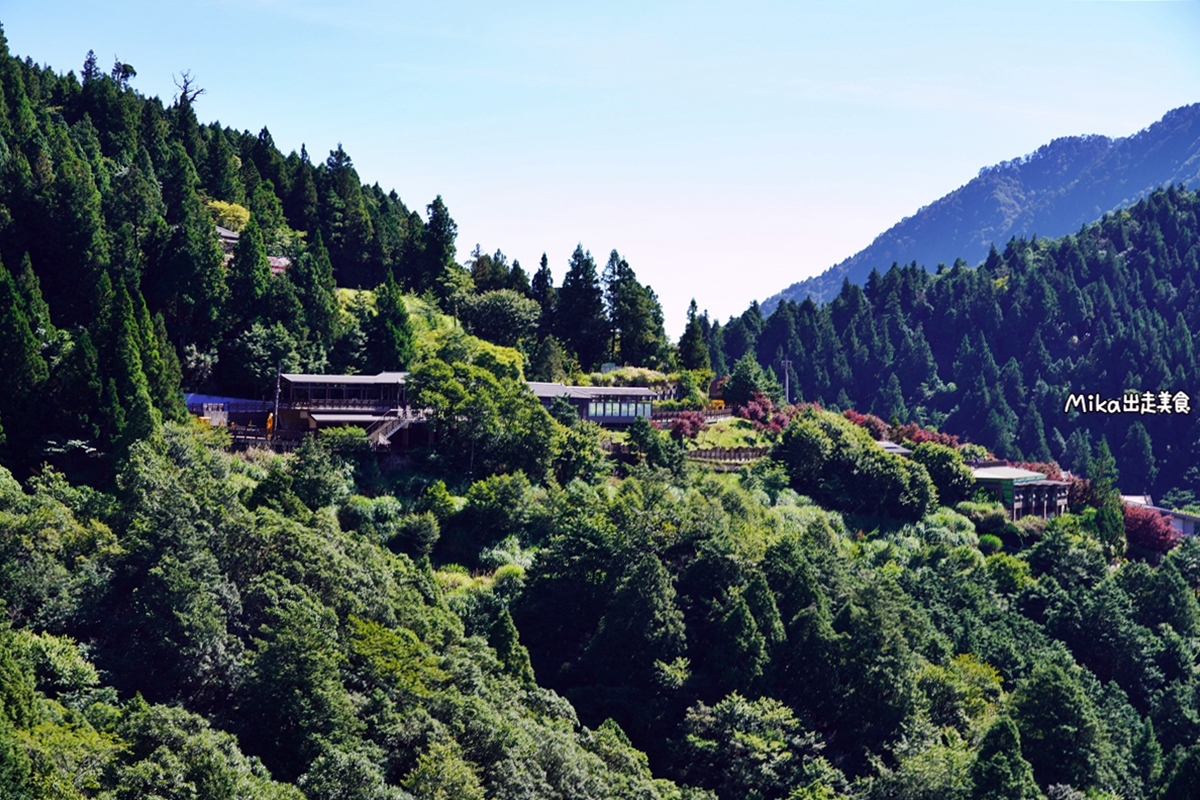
(597, 409)
(303, 392)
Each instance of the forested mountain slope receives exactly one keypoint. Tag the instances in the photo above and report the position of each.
(994, 352)
(1052, 191)
(116, 291)
(511, 613)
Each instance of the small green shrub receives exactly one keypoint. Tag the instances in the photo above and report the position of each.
(1031, 527)
(1009, 573)
(988, 517)
(989, 543)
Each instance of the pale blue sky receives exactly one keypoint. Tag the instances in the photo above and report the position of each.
(726, 150)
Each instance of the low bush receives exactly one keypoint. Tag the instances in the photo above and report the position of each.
(990, 543)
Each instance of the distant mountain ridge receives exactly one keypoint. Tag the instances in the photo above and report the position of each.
(1051, 192)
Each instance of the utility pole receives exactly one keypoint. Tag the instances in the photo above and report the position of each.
(786, 363)
(278, 379)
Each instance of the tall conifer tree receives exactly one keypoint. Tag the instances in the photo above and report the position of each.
(541, 289)
(345, 223)
(301, 205)
(693, 352)
(312, 275)
(21, 362)
(634, 314)
(187, 283)
(220, 171)
(249, 277)
(582, 324)
(1137, 461)
(1000, 772)
(390, 344)
(437, 247)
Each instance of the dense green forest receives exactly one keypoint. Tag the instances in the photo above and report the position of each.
(513, 612)
(121, 294)
(993, 353)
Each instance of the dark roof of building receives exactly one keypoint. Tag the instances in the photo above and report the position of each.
(619, 391)
(1013, 474)
(333, 419)
(345, 380)
(540, 389)
(548, 390)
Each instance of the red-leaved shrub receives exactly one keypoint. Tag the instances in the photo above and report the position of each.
(765, 415)
(688, 425)
(1080, 493)
(909, 432)
(874, 425)
(1147, 528)
(914, 433)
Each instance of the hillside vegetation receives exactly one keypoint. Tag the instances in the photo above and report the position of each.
(511, 613)
(117, 291)
(994, 352)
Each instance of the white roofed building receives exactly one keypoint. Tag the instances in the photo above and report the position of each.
(1023, 492)
(611, 406)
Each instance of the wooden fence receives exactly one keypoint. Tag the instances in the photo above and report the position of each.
(724, 455)
(280, 441)
(709, 414)
(729, 454)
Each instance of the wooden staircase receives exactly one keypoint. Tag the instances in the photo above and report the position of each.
(381, 431)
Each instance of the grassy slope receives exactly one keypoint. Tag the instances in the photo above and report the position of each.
(732, 432)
